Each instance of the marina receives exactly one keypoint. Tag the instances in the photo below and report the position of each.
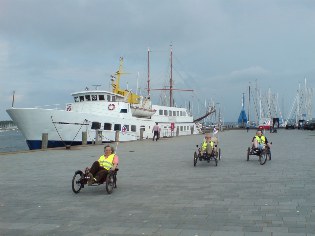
(165, 194)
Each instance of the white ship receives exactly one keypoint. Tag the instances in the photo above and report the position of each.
(101, 114)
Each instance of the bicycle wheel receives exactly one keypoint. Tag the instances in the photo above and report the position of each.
(110, 182)
(77, 181)
(262, 158)
(248, 151)
(195, 158)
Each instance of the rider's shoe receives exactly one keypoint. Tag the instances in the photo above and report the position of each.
(91, 179)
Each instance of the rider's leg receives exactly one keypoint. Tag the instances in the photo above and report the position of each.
(93, 170)
(260, 146)
(101, 176)
(255, 143)
(209, 149)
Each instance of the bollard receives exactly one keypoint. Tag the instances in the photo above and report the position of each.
(141, 134)
(177, 131)
(44, 140)
(84, 138)
(98, 137)
(117, 136)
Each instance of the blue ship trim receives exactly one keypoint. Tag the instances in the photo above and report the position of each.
(37, 144)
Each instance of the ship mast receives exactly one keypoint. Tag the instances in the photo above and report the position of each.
(170, 89)
(148, 72)
(171, 79)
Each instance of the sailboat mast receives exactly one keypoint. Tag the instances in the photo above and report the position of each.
(248, 115)
(148, 72)
(171, 79)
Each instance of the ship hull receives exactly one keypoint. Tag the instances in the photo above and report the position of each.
(65, 127)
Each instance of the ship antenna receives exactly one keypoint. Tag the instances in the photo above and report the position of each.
(13, 98)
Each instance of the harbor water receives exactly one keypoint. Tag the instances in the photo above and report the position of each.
(11, 141)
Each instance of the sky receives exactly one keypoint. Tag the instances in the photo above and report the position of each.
(52, 48)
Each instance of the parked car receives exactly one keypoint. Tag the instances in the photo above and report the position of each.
(309, 125)
(290, 126)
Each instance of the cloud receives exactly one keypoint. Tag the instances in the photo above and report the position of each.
(218, 46)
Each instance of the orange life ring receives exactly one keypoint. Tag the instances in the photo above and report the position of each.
(111, 107)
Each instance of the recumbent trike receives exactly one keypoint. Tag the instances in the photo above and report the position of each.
(215, 155)
(81, 178)
(263, 154)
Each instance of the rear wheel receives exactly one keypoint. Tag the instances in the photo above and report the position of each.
(195, 158)
(263, 158)
(77, 181)
(248, 151)
(110, 182)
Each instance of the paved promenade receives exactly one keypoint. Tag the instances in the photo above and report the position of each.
(161, 193)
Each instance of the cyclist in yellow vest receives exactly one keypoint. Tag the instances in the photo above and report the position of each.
(260, 141)
(101, 167)
(207, 145)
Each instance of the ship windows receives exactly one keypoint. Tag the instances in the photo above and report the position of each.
(174, 113)
(101, 97)
(123, 110)
(107, 126)
(81, 98)
(177, 113)
(142, 127)
(117, 127)
(160, 112)
(165, 112)
(96, 125)
(76, 99)
(181, 113)
(94, 97)
(87, 98)
(170, 113)
(181, 128)
(113, 99)
(133, 128)
(108, 98)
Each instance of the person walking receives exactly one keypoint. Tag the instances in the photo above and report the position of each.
(247, 126)
(155, 131)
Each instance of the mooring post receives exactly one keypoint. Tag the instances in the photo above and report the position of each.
(117, 136)
(84, 138)
(44, 140)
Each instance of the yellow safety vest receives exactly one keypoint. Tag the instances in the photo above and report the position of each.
(261, 139)
(107, 163)
(204, 145)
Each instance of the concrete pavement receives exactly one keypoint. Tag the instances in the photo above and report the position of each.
(161, 193)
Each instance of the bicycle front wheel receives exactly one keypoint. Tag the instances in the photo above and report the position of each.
(263, 158)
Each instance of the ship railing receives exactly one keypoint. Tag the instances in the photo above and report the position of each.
(53, 107)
